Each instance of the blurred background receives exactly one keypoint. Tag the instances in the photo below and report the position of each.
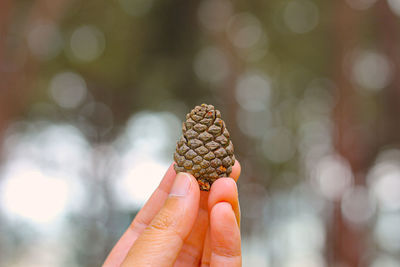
(93, 93)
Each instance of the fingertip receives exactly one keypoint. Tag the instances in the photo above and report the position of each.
(224, 190)
(224, 182)
(185, 184)
(193, 181)
(168, 179)
(236, 169)
(194, 186)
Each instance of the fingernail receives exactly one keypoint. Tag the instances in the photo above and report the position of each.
(181, 185)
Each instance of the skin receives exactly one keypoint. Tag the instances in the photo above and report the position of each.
(182, 226)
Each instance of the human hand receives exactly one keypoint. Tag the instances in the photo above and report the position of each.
(183, 226)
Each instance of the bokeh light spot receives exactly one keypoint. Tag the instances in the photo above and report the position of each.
(385, 261)
(357, 205)
(394, 6)
(371, 70)
(87, 43)
(253, 91)
(32, 195)
(254, 124)
(306, 234)
(384, 180)
(301, 16)
(211, 65)
(332, 176)
(68, 89)
(45, 40)
(278, 145)
(244, 30)
(387, 232)
(136, 8)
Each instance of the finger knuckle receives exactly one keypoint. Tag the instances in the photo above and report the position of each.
(224, 251)
(162, 222)
(190, 254)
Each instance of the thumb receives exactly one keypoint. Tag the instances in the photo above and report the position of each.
(161, 241)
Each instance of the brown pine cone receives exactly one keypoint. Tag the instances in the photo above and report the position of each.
(204, 149)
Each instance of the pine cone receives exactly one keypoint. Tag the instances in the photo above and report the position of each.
(204, 149)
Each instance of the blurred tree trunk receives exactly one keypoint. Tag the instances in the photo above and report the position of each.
(6, 8)
(5, 14)
(18, 67)
(389, 39)
(346, 244)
